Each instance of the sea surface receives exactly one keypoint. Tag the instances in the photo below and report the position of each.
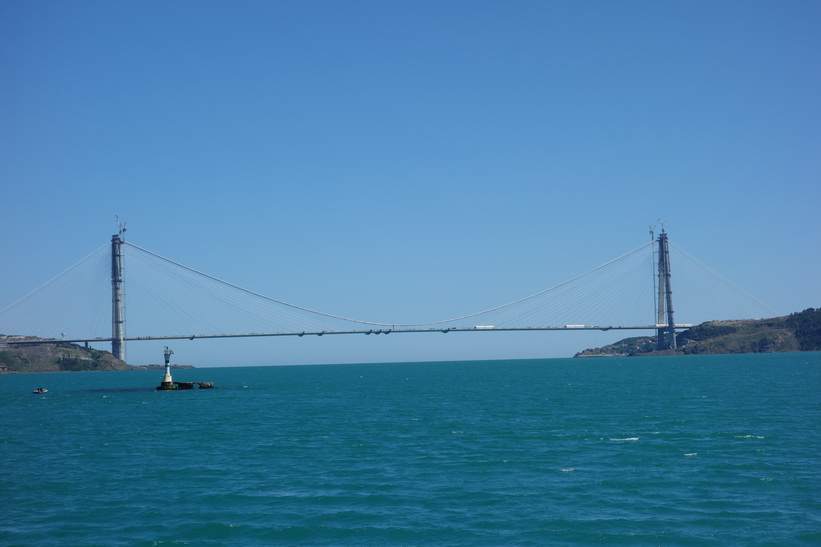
(696, 450)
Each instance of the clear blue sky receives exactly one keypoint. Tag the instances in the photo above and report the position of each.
(360, 156)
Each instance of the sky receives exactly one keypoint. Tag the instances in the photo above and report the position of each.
(384, 159)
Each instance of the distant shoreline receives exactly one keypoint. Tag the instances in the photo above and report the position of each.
(160, 367)
(790, 333)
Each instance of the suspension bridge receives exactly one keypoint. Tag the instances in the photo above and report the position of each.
(166, 300)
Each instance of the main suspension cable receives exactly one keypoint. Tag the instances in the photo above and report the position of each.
(362, 322)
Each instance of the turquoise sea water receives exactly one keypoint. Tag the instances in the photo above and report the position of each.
(702, 450)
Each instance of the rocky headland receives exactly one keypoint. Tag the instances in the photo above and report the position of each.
(796, 332)
(59, 357)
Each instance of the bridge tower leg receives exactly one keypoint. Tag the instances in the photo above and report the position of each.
(117, 316)
(667, 330)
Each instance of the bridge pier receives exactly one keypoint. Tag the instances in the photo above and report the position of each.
(117, 317)
(664, 321)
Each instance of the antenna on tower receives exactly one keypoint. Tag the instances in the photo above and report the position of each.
(653, 230)
(120, 226)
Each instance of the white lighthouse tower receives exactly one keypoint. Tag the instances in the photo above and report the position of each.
(167, 381)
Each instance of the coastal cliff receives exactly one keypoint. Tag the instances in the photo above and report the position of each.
(796, 332)
(55, 358)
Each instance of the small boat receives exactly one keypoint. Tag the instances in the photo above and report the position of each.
(40, 390)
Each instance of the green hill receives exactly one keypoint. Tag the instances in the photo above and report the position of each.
(55, 358)
(796, 332)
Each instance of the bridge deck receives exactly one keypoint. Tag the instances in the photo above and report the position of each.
(478, 328)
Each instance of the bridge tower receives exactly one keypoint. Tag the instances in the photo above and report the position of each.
(666, 325)
(117, 316)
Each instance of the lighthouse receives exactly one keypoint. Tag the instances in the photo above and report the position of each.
(167, 381)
